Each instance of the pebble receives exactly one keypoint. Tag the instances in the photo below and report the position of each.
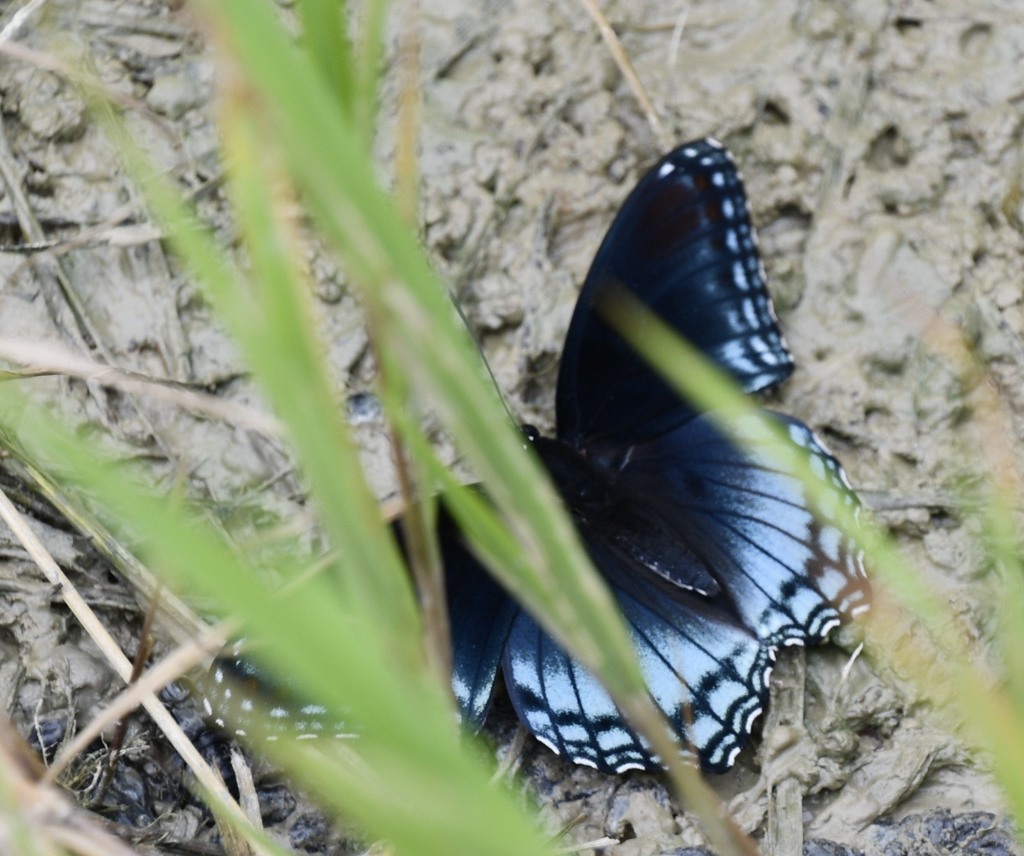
(173, 95)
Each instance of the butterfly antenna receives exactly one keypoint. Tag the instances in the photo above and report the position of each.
(483, 358)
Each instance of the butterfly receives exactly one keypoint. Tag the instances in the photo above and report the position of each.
(709, 548)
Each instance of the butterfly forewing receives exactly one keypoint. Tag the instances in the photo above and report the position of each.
(683, 244)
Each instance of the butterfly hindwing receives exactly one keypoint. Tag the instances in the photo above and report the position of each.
(246, 698)
(564, 706)
(682, 244)
(481, 615)
(715, 558)
(789, 574)
(709, 677)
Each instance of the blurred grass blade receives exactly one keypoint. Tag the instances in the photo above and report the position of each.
(418, 326)
(369, 62)
(1004, 546)
(420, 765)
(282, 350)
(583, 612)
(270, 321)
(281, 342)
(412, 455)
(325, 38)
(986, 714)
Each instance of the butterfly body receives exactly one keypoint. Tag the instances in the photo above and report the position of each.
(628, 515)
(707, 545)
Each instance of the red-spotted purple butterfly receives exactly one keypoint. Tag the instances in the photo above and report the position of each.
(710, 550)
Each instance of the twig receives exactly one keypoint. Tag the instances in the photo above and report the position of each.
(55, 281)
(56, 65)
(247, 796)
(51, 273)
(82, 335)
(121, 228)
(207, 778)
(844, 675)
(621, 59)
(589, 845)
(785, 835)
(142, 654)
(677, 37)
(172, 667)
(18, 20)
(513, 757)
(177, 619)
(53, 359)
(43, 814)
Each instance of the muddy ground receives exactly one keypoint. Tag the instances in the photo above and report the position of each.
(881, 147)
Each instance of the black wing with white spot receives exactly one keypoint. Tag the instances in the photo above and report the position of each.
(683, 244)
(244, 698)
(481, 614)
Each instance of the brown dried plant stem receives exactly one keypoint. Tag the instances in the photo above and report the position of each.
(208, 779)
(621, 59)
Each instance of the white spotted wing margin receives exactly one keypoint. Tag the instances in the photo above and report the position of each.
(707, 675)
(789, 574)
(754, 569)
(682, 244)
(244, 699)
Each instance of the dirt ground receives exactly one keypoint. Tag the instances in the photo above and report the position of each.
(881, 147)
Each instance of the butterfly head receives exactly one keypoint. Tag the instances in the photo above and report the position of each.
(531, 434)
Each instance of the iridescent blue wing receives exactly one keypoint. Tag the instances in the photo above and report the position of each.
(480, 615)
(790, 575)
(752, 569)
(707, 674)
(683, 244)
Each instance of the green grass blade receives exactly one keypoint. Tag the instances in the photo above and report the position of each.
(420, 767)
(418, 326)
(282, 346)
(984, 712)
(369, 63)
(326, 39)
(276, 333)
